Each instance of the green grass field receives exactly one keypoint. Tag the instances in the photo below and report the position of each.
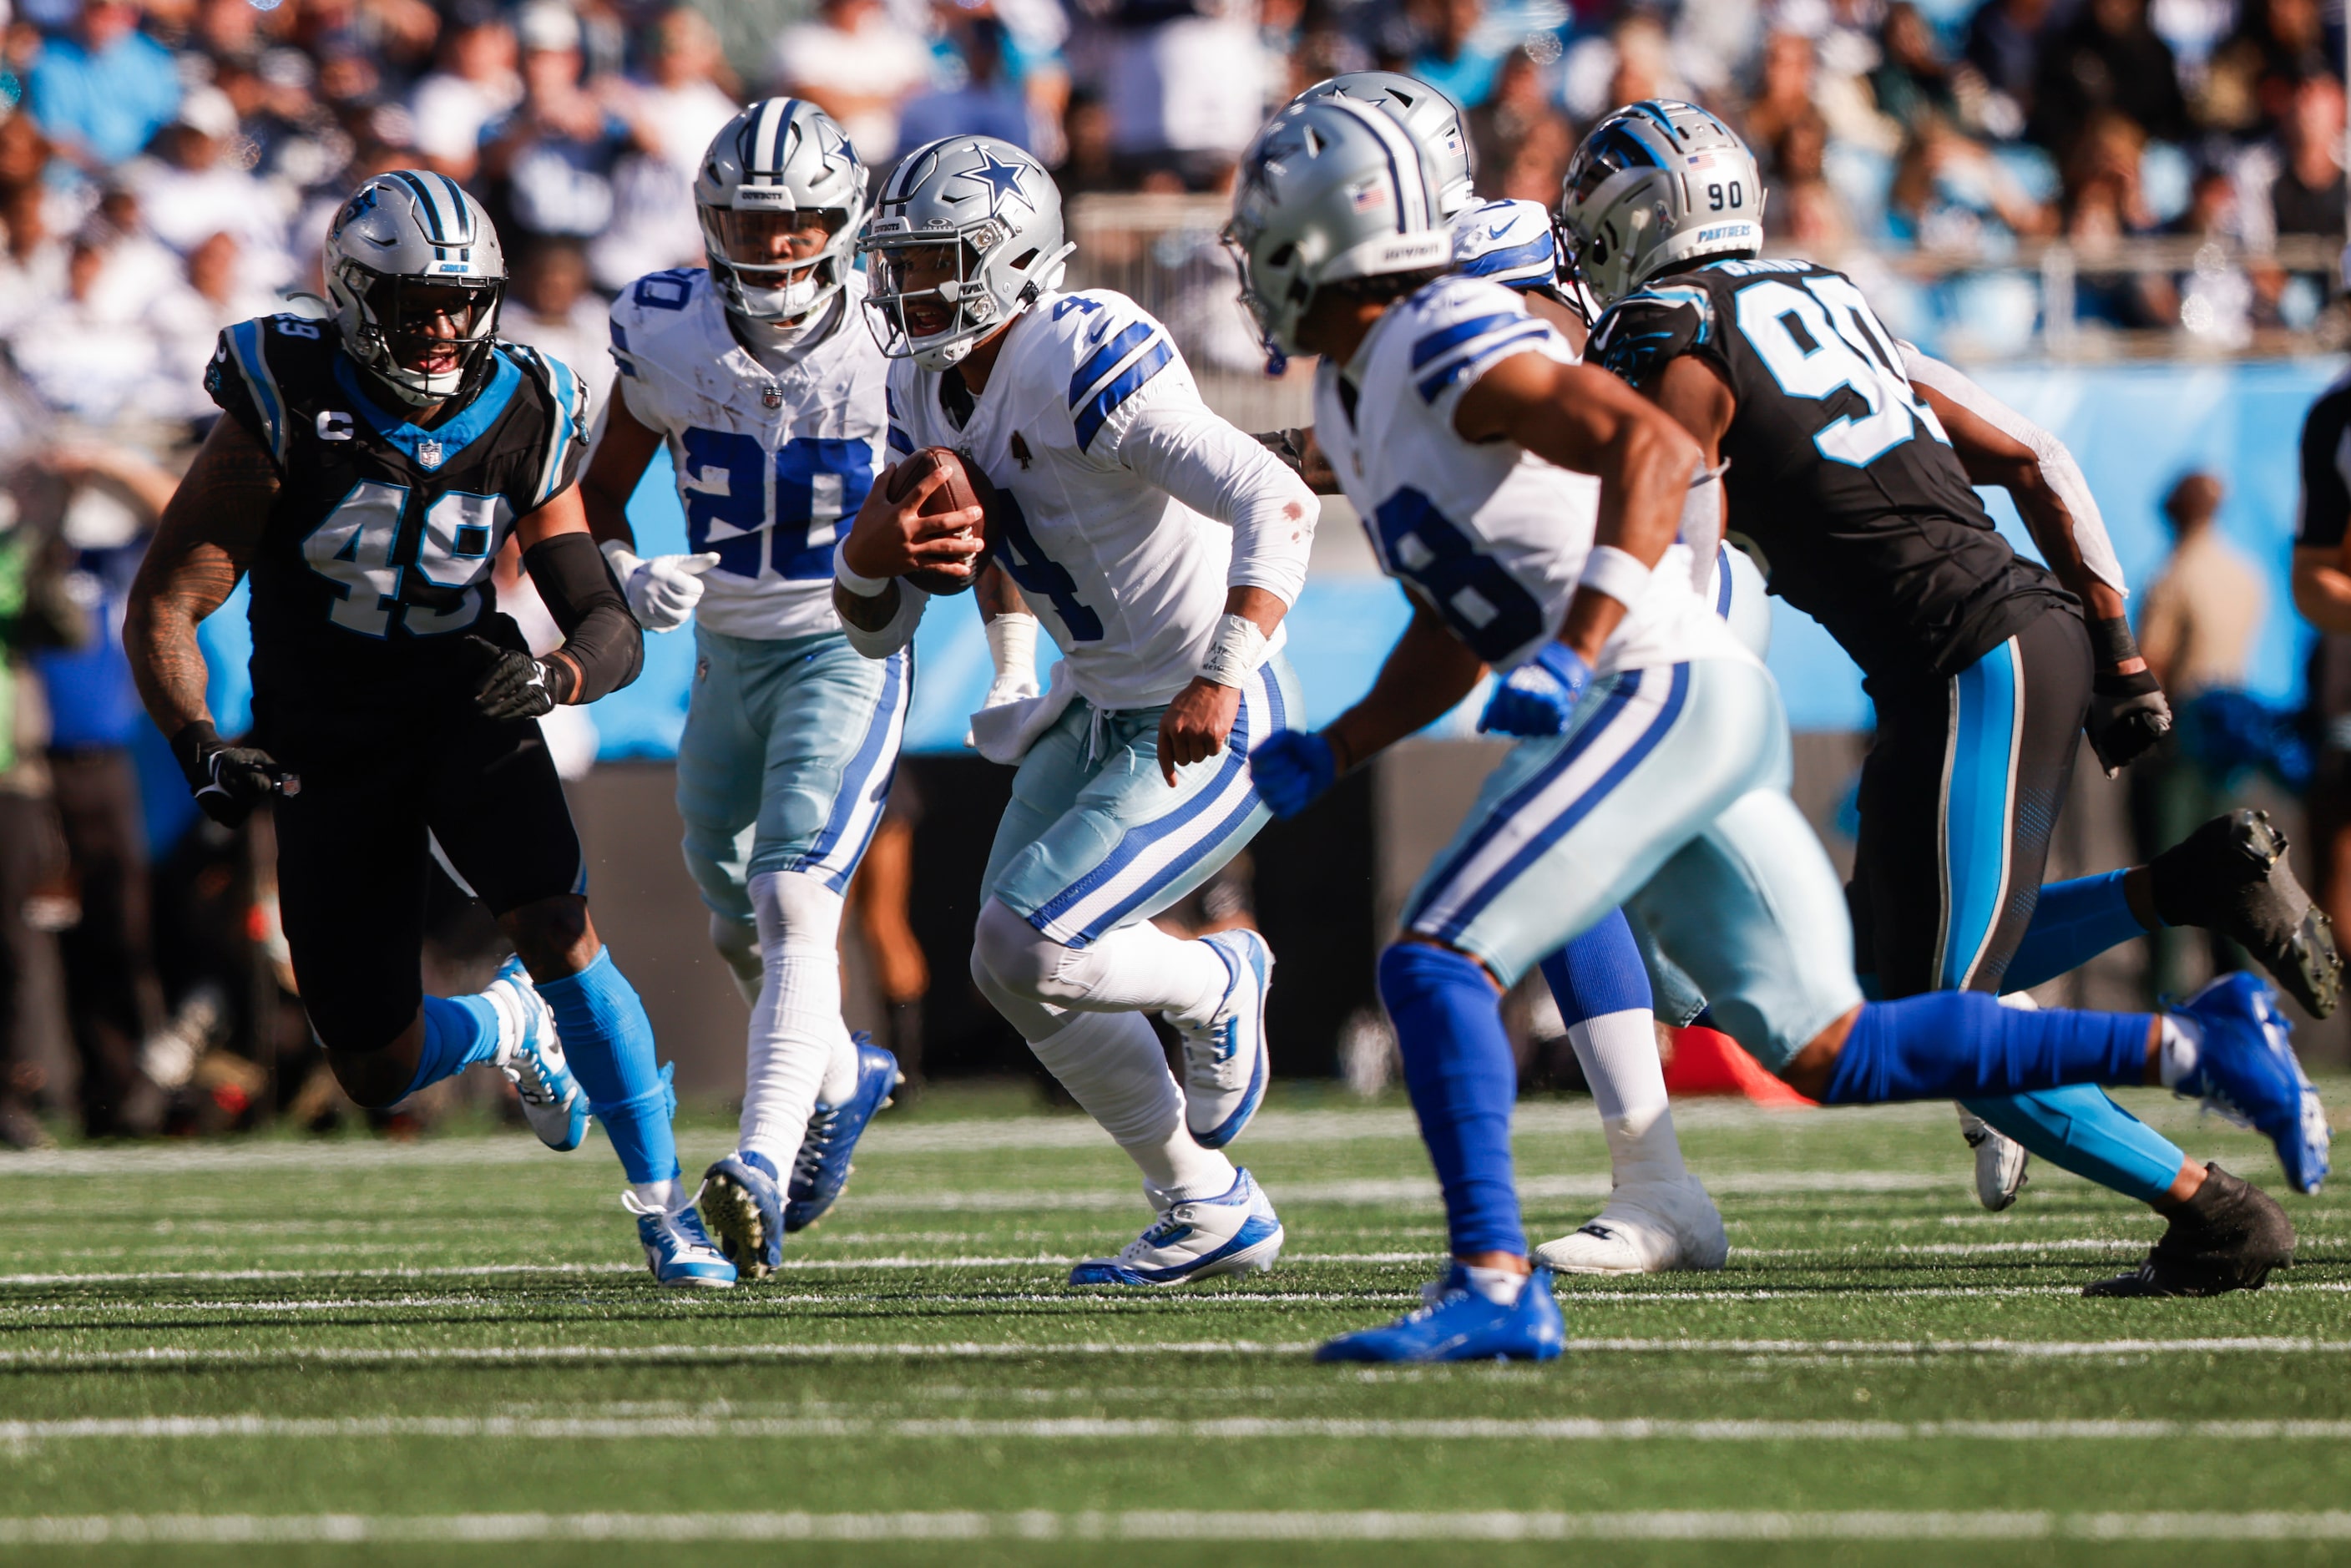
(447, 1352)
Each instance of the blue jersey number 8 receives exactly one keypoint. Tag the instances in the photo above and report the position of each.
(1483, 603)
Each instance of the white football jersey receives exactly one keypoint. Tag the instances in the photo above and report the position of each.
(1487, 535)
(771, 468)
(1129, 581)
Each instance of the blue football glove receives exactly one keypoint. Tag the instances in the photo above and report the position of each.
(1292, 769)
(1540, 697)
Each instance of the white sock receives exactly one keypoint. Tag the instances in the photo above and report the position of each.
(1112, 1064)
(840, 1072)
(1618, 1052)
(795, 1028)
(668, 1197)
(1500, 1286)
(1135, 967)
(737, 942)
(2183, 1042)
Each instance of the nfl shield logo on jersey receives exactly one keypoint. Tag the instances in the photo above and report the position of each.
(428, 454)
(771, 396)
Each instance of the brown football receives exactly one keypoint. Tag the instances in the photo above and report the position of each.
(964, 487)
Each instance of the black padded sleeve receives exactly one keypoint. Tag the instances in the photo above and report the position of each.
(599, 635)
(1644, 332)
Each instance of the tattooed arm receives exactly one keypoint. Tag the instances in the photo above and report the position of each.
(206, 540)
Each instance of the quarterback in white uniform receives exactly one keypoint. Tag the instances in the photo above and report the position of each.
(760, 378)
(1161, 547)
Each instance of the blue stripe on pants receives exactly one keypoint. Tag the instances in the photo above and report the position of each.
(1978, 797)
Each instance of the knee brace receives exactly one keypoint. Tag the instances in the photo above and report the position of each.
(737, 942)
(1022, 959)
(792, 910)
(1034, 1020)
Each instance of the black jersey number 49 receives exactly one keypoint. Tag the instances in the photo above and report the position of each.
(1820, 336)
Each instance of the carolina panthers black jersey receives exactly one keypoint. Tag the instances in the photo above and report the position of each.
(1840, 474)
(2327, 470)
(376, 560)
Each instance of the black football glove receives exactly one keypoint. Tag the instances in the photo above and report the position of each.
(229, 781)
(513, 685)
(2128, 717)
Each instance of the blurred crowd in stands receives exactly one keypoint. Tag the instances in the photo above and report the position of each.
(168, 166)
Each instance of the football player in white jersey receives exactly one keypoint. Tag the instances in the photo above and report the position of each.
(759, 376)
(1161, 547)
(1654, 760)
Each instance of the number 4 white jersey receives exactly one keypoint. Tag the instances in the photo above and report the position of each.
(1129, 581)
(1487, 535)
(771, 468)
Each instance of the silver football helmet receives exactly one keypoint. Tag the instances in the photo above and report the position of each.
(778, 159)
(1428, 115)
(966, 235)
(408, 250)
(1655, 184)
(1331, 190)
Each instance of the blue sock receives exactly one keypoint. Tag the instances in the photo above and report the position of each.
(2073, 923)
(1463, 1078)
(609, 1043)
(459, 1033)
(1599, 973)
(2081, 1130)
(1960, 1045)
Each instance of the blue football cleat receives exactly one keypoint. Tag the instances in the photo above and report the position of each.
(1199, 1239)
(677, 1250)
(1225, 1061)
(530, 1054)
(2245, 1070)
(823, 1168)
(746, 1201)
(1460, 1324)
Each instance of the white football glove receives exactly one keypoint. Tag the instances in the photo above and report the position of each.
(661, 590)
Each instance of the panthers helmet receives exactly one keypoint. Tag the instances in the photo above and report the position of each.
(780, 155)
(407, 249)
(1656, 184)
(982, 218)
(1331, 190)
(1510, 242)
(1428, 115)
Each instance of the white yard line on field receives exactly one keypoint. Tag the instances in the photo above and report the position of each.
(176, 1357)
(1166, 1526)
(1536, 1429)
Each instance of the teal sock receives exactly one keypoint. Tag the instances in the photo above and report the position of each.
(459, 1033)
(2080, 1129)
(609, 1041)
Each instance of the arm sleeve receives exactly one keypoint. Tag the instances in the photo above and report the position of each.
(599, 635)
(2326, 495)
(1644, 332)
(881, 643)
(1223, 472)
(2058, 469)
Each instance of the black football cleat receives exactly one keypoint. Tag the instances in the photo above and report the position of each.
(2230, 876)
(2227, 1238)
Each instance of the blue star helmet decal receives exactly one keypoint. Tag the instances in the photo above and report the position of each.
(1002, 180)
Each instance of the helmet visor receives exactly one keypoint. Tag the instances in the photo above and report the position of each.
(782, 243)
(433, 326)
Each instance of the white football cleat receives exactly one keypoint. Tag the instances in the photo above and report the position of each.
(1224, 1060)
(1649, 1228)
(1199, 1239)
(530, 1054)
(1999, 1161)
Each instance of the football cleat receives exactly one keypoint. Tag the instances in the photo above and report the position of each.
(1225, 1063)
(1649, 1228)
(746, 1201)
(2226, 1238)
(2245, 1070)
(1197, 1239)
(677, 1250)
(1999, 1161)
(1460, 1324)
(2230, 876)
(822, 1168)
(530, 1054)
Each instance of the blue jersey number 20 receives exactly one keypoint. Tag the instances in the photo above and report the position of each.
(820, 483)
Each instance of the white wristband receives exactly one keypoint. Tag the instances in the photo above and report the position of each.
(861, 586)
(1012, 645)
(1235, 653)
(1612, 571)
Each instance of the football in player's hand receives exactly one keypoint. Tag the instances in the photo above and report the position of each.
(962, 487)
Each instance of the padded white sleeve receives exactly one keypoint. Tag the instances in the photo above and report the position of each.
(2058, 469)
(900, 631)
(1224, 473)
